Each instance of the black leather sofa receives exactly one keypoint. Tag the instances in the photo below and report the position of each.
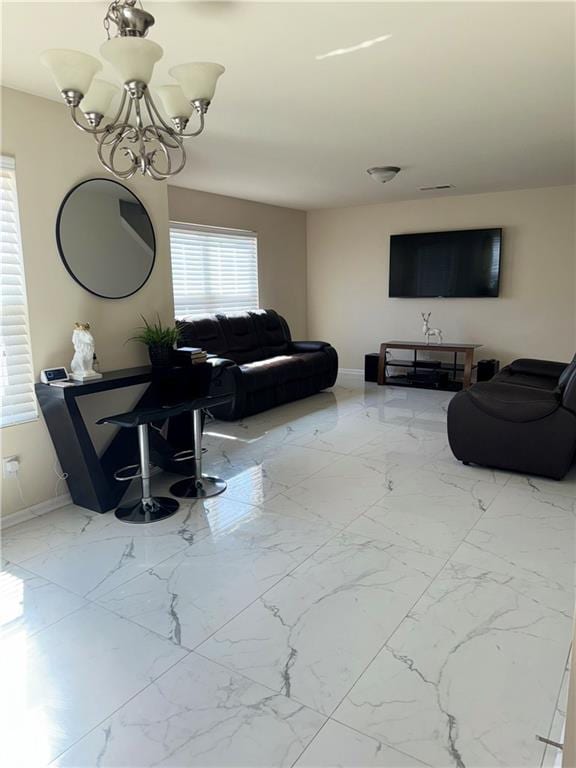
(524, 419)
(258, 361)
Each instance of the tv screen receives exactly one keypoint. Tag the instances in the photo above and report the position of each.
(462, 263)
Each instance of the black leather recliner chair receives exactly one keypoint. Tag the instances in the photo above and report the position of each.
(524, 419)
(258, 361)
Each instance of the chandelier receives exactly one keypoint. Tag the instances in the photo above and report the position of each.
(137, 137)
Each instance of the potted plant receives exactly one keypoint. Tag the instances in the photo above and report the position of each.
(159, 339)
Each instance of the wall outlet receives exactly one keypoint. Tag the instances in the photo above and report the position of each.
(10, 466)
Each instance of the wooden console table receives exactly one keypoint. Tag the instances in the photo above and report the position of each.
(418, 346)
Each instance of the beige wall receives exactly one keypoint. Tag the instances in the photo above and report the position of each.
(533, 317)
(51, 157)
(281, 245)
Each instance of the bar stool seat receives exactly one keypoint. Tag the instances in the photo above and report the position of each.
(174, 391)
(143, 416)
(147, 509)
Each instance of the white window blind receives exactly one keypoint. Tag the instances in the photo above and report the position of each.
(213, 270)
(17, 399)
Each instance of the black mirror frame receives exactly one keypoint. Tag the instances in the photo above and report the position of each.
(61, 248)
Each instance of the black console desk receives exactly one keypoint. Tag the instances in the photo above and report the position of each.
(90, 477)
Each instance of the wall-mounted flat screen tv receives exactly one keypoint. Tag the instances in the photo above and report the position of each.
(463, 263)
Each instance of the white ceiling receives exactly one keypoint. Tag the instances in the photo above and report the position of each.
(479, 95)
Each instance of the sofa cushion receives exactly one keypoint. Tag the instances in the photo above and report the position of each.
(271, 331)
(313, 363)
(512, 403)
(204, 332)
(272, 372)
(241, 338)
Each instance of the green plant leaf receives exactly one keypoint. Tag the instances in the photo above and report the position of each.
(154, 334)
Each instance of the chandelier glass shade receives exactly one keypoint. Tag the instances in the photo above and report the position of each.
(198, 81)
(71, 70)
(138, 137)
(99, 97)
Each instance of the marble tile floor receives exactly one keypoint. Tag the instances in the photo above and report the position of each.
(356, 598)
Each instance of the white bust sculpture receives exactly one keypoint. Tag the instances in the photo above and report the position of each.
(81, 365)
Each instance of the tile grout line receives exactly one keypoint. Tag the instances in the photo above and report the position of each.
(180, 552)
(438, 574)
(119, 707)
(155, 680)
(22, 564)
(391, 634)
(380, 741)
(187, 652)
(260, 596)
(94, 601)
(330, 715)
(312, 740)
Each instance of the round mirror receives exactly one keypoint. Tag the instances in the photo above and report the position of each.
(105, 238)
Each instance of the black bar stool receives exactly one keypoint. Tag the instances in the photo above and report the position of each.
(174, 391)
(189, 386)
(200, 486)
(147, 509)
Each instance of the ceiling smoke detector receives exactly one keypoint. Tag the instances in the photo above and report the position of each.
(383, 173)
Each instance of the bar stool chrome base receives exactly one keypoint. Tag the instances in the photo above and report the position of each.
(200, 486)
(150, 511)
(191, 488)
(148, 508)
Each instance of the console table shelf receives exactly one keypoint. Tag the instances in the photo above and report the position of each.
(403, 381)
(426, 365)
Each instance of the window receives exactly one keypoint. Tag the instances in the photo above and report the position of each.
(17, 399)
(213, 270)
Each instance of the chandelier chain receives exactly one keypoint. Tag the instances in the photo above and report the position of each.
(113, 14)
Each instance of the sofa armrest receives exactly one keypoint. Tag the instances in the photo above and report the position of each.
(225, 375)
(569, 393)
(220, 362)
(547, 368)
(308, 346)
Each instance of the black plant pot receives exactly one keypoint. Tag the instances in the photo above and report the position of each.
(160, 356)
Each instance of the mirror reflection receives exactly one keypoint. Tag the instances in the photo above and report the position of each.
(106, 239)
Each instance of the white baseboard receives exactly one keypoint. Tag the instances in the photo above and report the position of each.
(36, 510)
(351, 371)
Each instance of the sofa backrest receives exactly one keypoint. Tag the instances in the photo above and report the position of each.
(244, 337)
(272, 331)
(241, 337)
(205, 332)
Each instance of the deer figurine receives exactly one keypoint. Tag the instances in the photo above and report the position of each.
(428, 332)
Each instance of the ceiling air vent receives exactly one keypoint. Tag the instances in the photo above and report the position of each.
(435, 187)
